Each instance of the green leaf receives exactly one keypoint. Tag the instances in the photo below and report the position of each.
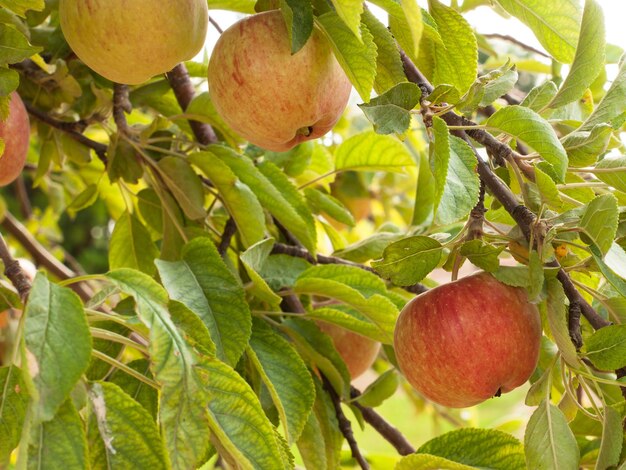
(616, 253)
(487, 88)
(276, 194)
(616, 178)
(296, 200)
(60, 443)
(440, 157)
(285, 375)
(240, 201)
(320, 441)
(237, 420)
(348, 318)
(54, 314)
(131, 246)
(356, 56)
(299, 19)
(360, 289)
(612, 104)
(481, 254)
(612, 439)
(405, 22)
(483, 448)
(527, 126)
(408, 261)
(9, 81)
(122, 431)
(456, 59)
(184, 185)
(20, 7)
(389, 69)
(14, 46)
(203, 110)
(253, 260)
(369, 151)
(318, 349)
(207, 287)
(589, 58)
(425, 193)
(548, 190)
(182, 406)
(599, 222)
(194, 330)
(350, 13)
(242, 6)
(555, 24)
(584, 147)
(368, 248)
(557, 315)
(142, 393)
(379, 390)
(391, 111)
(322, 202)
(460, 192)
(427, 462)
(539, 97)
(548, 441)
(13, 403)
(606, 348)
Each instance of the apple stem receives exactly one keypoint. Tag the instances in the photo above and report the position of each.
(305, 131)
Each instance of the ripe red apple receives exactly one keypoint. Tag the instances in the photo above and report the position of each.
(358, 352)
(131, 41)
(268, 96)
(464, 342)
(15, 132)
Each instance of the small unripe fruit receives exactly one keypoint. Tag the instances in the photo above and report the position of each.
(270, 97)
(15, 132)
(358, 352)
(464, 342)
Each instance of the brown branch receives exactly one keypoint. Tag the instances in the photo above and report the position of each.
(121, 104)
(42, 256)
(73, 129)
(573, 324)
(229, 230)
(511, 39)
(525, 219)
(13, 270)
(386, 430)
(184, 91)
(344, 425)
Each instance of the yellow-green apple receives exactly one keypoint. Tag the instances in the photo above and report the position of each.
(269, 96)
(358, 352)
(464, 342)
(130, 41)
(15, 133)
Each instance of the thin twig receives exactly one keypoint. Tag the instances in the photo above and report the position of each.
(229, 231)
(42, 256)
(511, 39)
(184, 92)
(21, 192)
(70, 129)
(121, 104)
(344, 425)
(386, 430)
(13, 270)
(297, 252)
(217, 27)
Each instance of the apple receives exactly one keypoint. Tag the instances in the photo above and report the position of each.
(270, 97)
(358, 352)
(464, 342)
(131, 41)
(15, 133)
